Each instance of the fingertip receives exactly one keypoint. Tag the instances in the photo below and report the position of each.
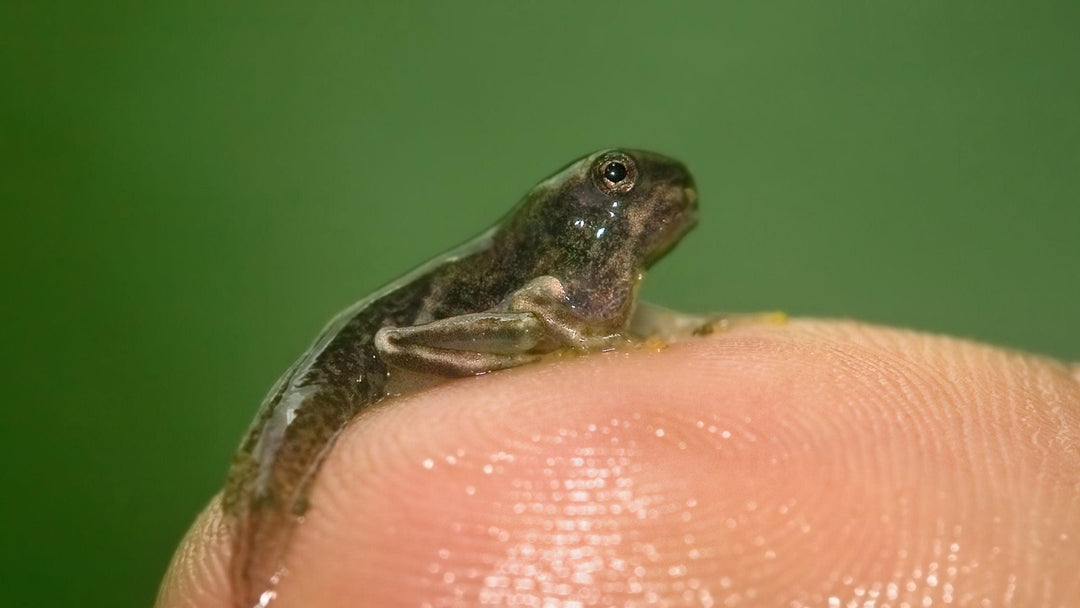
(766, 465)
(804, 463)
(198, 573)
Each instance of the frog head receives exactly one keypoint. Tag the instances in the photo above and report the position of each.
(599, 222)
(649, 197)
(613, 210)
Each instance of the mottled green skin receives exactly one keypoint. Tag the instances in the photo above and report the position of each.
(596, 242)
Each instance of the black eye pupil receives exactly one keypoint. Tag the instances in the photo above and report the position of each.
(615, 172)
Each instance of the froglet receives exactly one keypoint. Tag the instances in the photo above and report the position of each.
(560, 272)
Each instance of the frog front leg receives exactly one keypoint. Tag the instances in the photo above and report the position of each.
(546, 298)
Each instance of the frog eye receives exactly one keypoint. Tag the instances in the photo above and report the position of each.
(615, 172)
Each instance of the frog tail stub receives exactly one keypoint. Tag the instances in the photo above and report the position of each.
(269, 483)
(261, 528)
(261, 535)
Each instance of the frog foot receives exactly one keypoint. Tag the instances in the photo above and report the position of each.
(653, 323)
(724, 322)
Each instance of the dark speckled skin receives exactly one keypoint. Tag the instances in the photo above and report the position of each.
(594, 239)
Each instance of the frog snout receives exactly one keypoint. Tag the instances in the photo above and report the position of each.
(690, 197)
(690, 194)
(689, 191)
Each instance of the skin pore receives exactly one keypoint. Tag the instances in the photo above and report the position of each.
(819, 463)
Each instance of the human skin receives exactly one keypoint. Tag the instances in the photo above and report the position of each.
(817, 463)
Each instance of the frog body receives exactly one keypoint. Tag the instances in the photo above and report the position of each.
(561, 271)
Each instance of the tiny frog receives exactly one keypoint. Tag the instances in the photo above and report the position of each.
(560, 272)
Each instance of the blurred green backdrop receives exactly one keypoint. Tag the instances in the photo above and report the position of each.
(191, 190)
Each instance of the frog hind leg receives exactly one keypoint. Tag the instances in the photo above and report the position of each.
(651, 322)
(464, 345)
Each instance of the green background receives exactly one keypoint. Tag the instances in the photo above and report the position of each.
(191, 190)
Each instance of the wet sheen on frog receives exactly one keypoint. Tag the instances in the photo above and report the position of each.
(561, 271)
